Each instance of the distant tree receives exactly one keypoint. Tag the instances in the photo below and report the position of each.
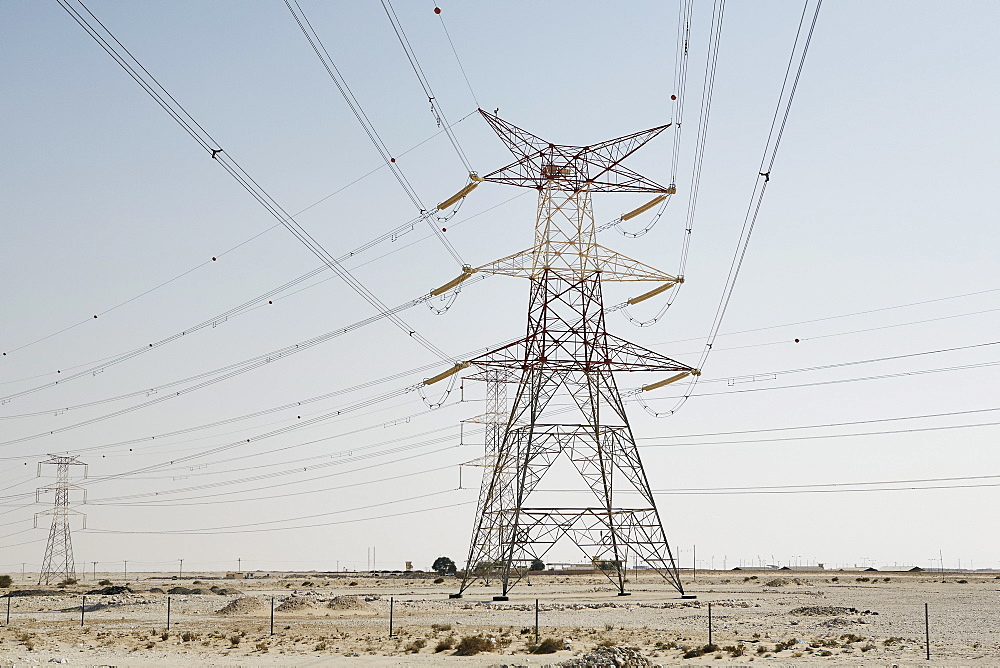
(5, 581)
(537, 565)
(444, 566)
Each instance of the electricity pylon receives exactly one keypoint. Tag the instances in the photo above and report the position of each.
(58, 563)
(568, 352)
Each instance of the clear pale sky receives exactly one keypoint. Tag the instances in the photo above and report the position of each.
(883, 195)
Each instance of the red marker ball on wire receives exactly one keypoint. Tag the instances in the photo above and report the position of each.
(437, 10)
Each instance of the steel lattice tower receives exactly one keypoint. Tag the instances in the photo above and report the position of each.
(58, 563)
(566, 352)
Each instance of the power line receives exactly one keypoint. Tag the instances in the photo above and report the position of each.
(440, 15)
(219, 255)
(436, 109)
(305, 25)
(256, 526)
(166, 101)
(757, 198)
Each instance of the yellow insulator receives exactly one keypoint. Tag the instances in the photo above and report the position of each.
(466, 273)
(667, 381)
(672, 189)
(655, 291)
(475, 177)
(460, 194)
(444, 374)
(645, 207)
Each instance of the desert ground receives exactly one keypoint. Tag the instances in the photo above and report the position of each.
(761, 617)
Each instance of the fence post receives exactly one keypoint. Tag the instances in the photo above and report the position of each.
(927, 629)
(83, 608)
(536, 621)
(390, 615)
(272, 615)
(709, 623)
(8, 608)
(168, 613)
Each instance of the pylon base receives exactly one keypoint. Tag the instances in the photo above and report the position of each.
(624, 593)
(501, 598)
(688, 596)
(454, 596)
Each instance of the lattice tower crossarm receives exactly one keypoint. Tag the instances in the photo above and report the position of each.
(567, 351)
(58, 563)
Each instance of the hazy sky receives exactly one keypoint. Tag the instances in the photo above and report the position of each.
(877, 239)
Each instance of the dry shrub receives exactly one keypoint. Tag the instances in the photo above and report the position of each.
(445, 644)
(441, 627)
(188, 636)
(735, 650)
(235, 639)
(547, 646)
(415, 646)
(471, 645)
(438, 581)
(320, 647)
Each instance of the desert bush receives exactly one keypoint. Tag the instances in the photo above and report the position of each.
(151, 644)
(547, 646)
(352, 583)
(307, 584)
(470, 645)
(962, 582)
(785, 644)
(695, 652)
(262, 647)
(867, 647)
(446, 643)
(851, 637)
(892, 640)
(438, 581)
(825, 652)
(834, 579)
(5, 581)
(165, 635)
(415, 646)
(68, 581)
(762, 649)
(862, 579)
(105, 582)
(189, 636)
(670, 644)
(235, 639)
(197, 582)
(320, 647)
(441, 627)
(607, 642)
(735, 650)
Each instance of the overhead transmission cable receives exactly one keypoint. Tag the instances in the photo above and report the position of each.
(440, 15)
(107, 41)
(678, 97)
(778, 123)
(708, 89)
(435, 104)
(338, 79)
(246, 241)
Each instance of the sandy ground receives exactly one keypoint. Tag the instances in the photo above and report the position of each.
(850, 618)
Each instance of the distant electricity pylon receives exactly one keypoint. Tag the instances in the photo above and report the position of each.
(568, 353)
(58, 563)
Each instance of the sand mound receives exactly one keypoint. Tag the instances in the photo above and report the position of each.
(349, 603)
(246, 605)
(782, 582)
(295, 603)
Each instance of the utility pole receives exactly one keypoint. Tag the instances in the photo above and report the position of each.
(568, 353)
(95, 570)
(239, 565)
(58, 563)
(180, 569)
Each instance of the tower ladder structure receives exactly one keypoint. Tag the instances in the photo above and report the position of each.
(566, 352)
(58, 563)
